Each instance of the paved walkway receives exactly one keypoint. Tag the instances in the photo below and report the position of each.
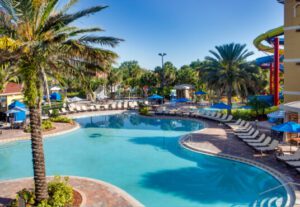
(94, 193)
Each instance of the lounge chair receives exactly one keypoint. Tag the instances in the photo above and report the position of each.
(266, 142)
(78, 109)
(271, 147)
(253, 135)
(244, 128)
(223, 117)
(105, 107)
(119, 105)
(63, 111)
(234, 127)
(93, 108)
(228, 119)
(50, 112)
(72, 110)
(215, 116)
(249, 132)
(258, 140)
(84, 108)
(292, 157)
(237, 122)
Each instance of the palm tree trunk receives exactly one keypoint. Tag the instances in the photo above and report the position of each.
(229, 99)
(38, 153)
(46, 86)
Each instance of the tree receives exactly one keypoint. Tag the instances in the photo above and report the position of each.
(131, 73)
(167, 74)
(114, 77)
(41, 41)
(186, 75)
(226, 70)
(149, 79)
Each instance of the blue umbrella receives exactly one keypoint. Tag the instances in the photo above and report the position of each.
(200, 93)
(291, 127)
(55, 96)
(182, 100)
(221, 105)
(155, 97)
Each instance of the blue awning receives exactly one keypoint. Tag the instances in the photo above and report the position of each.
(17, 104)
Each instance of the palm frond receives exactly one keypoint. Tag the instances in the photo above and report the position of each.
(107, 41)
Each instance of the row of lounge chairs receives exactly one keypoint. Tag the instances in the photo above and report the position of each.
(252, 137)
(73, 108)
(224, 118)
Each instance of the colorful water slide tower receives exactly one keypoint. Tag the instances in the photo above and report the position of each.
(271, 42)
(292, 50)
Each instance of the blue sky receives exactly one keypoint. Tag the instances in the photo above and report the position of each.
(184, 29)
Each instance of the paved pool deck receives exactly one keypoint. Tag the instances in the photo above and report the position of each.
(94, 193)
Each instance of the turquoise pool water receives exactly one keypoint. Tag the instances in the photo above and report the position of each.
(143, 157)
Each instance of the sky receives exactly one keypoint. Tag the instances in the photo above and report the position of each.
(184, 29)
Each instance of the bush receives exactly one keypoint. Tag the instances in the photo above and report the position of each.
(46, 125)
(55, 113)
(62, 119)
(60, 195)
(245, 114)
(60, 192)
(144, 111)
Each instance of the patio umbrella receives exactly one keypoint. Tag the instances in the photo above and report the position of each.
(155, 97)
(221, 105)
(182, 100)
(198, 93)
(291, 127)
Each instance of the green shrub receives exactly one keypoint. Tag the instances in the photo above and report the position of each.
(46, 125)
(60, 195)
(60, 192)
(55, 113)
(144, 111)
(62, 119)
(245, 114)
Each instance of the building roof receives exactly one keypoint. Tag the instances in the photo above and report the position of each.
(12, 88)
(292, 106)
(184, 87)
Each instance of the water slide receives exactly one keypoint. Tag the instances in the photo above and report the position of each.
(270, 42)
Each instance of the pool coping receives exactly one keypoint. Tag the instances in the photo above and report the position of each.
(129, 198)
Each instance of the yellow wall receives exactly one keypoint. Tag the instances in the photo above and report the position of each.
(12, 98)
(292, 52)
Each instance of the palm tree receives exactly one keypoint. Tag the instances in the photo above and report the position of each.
(226, 71)
(41, 41)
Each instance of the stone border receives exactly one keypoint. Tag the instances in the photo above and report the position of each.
(130, 199)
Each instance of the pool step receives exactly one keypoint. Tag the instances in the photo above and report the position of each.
(269, 202)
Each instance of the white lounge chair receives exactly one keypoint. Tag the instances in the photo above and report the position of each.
(271, 147)
(63, 111)
(249, 132)
(266, 142)
(253, 136)
(234, 127)
(236, 123)
(228, 119)
(258, 140)
(292, 157)
(223, 117)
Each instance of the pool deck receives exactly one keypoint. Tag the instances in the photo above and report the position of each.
(95, 193)
(218, 140)
(11, 135)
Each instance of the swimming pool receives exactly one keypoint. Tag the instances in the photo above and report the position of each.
(143, 157)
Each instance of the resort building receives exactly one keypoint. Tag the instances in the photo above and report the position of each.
(292, 52)
(11, 93)
(185, 91)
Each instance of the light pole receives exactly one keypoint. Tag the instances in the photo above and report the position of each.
(162, 69)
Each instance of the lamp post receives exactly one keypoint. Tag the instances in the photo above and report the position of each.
(162, 68)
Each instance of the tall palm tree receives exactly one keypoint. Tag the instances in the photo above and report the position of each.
(41, 41)
(227, 70)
